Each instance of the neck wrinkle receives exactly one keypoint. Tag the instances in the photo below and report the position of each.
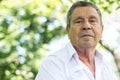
(87, 57)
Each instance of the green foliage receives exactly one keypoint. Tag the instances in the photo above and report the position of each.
(26, 26)
(106, 5)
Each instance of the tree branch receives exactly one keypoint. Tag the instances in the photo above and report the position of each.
(115, 55)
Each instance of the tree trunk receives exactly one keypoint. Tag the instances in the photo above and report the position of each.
(115, 55)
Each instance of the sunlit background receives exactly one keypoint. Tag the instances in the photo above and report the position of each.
(30, 30)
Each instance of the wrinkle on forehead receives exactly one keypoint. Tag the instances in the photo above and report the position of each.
(84, 12)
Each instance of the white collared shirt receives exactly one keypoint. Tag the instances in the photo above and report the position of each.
(65, 65)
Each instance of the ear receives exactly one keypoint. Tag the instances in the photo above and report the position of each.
(102, 27)
(67, 29)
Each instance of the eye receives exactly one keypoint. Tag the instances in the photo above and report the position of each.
(78, 21)
(92, 20)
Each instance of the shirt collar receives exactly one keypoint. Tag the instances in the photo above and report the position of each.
(72, 51)
(98, 55)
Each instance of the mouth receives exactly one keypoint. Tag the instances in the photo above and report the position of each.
(87, 36)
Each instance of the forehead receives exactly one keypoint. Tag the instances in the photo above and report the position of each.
(84, 12)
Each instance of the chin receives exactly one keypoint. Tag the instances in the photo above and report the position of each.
(88, 45)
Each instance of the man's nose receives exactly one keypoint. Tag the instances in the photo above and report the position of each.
(86, 26)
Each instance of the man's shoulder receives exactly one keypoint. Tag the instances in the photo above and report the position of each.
(56, 59)
(60, 54)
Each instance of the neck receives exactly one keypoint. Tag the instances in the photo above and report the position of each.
(86, 54)
(87, 57)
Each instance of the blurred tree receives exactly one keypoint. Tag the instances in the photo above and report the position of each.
(26, 27)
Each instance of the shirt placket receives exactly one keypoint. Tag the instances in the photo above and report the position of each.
(85, 69)
(89, 74)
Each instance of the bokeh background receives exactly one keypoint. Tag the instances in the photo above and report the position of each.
(30, 30)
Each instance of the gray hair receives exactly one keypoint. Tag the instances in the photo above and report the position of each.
(81, 4)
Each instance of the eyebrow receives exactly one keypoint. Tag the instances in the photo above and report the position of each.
(77, 18)
(93, 17)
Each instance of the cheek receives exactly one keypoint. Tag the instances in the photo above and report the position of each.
(73, 33)
(97, 30)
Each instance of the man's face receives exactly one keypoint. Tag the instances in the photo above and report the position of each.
(85, 29)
